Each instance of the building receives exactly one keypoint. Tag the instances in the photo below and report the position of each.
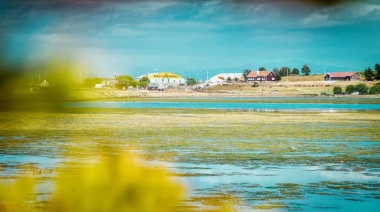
(101, 82)
(261, 76)
(342, 76)
(165, 79)
(226, 77)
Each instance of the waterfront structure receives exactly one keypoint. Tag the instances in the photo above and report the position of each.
(165, 79)
(342, 76)
(226, 77)
(261, 76)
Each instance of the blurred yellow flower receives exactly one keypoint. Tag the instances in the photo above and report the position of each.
(15, 196)
(116, 184)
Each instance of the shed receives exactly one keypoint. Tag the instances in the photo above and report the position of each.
(342, 76)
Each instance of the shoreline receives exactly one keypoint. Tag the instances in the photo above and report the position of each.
(268, 90)
(291, 89)
(119, 94)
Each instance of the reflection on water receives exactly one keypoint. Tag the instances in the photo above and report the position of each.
(211, 175)
(41, 161)
(313, 187)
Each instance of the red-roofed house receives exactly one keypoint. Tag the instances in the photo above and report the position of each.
(342, 76)
(261, 76)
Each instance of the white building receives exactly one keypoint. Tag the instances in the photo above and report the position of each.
(224, 77)
(164, 78)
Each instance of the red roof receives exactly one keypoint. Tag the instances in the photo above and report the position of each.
(259, 73)
(341, 74)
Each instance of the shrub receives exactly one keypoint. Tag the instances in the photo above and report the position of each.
(350, 89)
(375, 89)
(337, 90)
(191, 81)
(255, 84)
(361, 88)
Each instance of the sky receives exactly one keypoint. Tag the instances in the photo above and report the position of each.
(191, 37)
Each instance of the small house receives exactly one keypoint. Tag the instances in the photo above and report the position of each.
(261, 76)
(342, 76)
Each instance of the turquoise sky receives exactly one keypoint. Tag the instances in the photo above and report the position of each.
(110, 37)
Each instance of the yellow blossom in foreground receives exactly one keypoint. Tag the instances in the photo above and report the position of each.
(14, 196)
(116, 184)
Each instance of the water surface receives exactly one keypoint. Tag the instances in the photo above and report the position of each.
(331, 107)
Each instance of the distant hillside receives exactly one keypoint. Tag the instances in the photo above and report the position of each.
(317, 77)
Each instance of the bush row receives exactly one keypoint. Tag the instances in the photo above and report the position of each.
(359, 88)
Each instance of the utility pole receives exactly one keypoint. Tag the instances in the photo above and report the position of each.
(206, 79)
(287, 75)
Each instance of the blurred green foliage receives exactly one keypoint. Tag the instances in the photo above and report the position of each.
(42, 86)
(144, 82)
(375, 89)
(125, 81)
(337, 90)
(90, 82)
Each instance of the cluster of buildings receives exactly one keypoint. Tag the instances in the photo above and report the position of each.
(163, 80)
(253, 76)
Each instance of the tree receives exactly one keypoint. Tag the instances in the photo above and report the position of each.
(368, 74)
(337, 90)
(295, 71)
(191, 81)
(278, 78)
(229, 79)
(305, 70)
(262, 69)
(361, 88)
(124, 78)
(375, 89)
(350, 89)
(90, 82)
(245, 73)
(377, 68)
(144, 82)
(284, 71)
(276, 71)
(124, 81)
